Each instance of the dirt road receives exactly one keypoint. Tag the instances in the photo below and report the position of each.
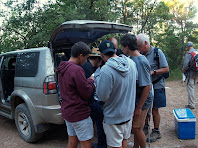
(56, 137)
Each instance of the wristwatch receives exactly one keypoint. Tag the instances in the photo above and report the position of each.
(154, 72)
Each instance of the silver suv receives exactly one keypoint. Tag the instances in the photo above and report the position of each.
(29, 91)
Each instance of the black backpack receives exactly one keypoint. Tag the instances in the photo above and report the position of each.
(156, 57)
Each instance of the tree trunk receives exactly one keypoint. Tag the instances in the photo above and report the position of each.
(183, 46)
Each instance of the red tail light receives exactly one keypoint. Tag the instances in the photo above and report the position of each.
(49, 85)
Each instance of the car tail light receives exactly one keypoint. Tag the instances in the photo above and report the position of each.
(49, 85)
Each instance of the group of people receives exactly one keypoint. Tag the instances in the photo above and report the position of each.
(113, 90)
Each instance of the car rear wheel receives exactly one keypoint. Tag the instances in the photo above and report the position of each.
(24, 124)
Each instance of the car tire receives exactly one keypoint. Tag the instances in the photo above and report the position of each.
(24, 124)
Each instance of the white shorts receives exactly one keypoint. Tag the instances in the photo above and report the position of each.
(82, 129)
(115, 134)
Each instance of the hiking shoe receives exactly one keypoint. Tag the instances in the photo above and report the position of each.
(145, 129)
(189, 106)
(154, 136)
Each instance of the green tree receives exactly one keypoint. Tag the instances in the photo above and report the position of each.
(30, 25)
(182, 13)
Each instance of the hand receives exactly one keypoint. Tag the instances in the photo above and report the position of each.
(92, 77)
(137, 111)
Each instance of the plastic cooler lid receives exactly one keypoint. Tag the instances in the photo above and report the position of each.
(184, 113)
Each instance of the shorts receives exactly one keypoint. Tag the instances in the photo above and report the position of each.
(138, 122)
(82, 129)
(159, 98)
(115, 134)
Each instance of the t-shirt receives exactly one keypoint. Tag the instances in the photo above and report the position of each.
(144, 79)
(154, 66)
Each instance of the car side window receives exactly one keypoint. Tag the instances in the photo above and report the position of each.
(27, 64)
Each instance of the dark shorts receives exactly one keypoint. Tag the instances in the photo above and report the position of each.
(159, 98)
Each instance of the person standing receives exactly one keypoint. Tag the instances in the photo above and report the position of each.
(143, 88)
(116, 87)
(157, 69)
(93, 63)
(191, 75)
(115, 43)
(75, 92)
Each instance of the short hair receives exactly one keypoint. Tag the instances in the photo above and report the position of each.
(189, 44)
(80, 48)
(143, 37)
(130, 41)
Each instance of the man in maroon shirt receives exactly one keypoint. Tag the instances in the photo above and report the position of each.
(75, 91)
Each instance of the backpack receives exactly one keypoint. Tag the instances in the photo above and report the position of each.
(156, 57)
(194, 66)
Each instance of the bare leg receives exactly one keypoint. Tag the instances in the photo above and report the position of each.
(124, 143)
(85, 144)
(139, 138)
(73, 142)
(156, 117)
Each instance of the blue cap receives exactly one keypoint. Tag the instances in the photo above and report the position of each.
(189, 44)
(106, 46)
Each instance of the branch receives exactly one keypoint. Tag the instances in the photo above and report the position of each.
(147, 17)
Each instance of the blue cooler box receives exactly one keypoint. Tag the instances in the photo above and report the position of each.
(185, 123)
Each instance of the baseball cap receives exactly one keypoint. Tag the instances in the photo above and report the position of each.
(189, 44)
(95, 52)
(106, 46)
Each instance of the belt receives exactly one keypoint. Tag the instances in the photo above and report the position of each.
(123, 122)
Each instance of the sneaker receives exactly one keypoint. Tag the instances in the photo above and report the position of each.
(154, 136)
(188, 106)
(145, 129)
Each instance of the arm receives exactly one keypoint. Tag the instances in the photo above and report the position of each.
(161, 71)
(144, 81)
(104, 86)
(163, 64)
(186, 65)
(144, 95)
(84, 86)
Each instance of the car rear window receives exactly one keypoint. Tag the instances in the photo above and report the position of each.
(27, 64)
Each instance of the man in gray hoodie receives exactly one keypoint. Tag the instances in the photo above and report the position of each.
(116, 87)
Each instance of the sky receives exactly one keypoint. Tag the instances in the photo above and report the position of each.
(195, 20)
(196, 5)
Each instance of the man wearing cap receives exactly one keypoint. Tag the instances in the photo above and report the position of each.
(191, 76)
(116, 87)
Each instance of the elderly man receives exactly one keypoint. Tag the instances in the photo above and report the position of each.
(190, 74)
(157, 69)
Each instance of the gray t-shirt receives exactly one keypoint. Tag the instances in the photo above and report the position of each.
(154, 66)
(144, 79)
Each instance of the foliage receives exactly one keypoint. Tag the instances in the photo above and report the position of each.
(169, 42)
(182, 11)
(167, 22)
(30, 25)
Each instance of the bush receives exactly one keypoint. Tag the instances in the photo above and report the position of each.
(175, 74)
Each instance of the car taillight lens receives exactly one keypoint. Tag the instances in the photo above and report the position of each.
(49, 86)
